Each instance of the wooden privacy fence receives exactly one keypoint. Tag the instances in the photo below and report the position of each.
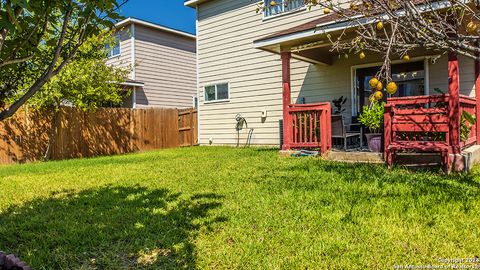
(72, 133)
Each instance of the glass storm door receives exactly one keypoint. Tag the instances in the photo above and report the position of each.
(410, 78)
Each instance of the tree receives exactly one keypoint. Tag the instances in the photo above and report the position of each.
(87, 82)
(39, 37)
(395, 28)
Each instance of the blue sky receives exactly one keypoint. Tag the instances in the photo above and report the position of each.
(169, 13)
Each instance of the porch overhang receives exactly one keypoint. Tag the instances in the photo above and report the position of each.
(310, 42)
(307, 42)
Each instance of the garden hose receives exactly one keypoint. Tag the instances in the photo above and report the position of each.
(241, 121)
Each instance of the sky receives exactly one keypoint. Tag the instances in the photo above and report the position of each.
(169, 13)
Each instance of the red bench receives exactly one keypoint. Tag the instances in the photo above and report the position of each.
(417, 125)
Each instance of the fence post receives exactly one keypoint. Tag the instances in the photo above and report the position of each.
(132, 130)
(192, 143)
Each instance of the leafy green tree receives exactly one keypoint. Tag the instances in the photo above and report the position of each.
(87, 82)
(39, 37)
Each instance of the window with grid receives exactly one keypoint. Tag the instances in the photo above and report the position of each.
(281, 6)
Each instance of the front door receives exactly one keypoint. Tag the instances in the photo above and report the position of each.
(410, 78)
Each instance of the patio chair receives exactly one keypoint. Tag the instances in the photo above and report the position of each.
(342, 131)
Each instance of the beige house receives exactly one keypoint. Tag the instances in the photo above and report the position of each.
(240, 68)
(162, 62)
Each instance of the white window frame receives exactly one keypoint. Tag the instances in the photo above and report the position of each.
(425, 59)
(216, 93)
(110, 55)
(283, 12)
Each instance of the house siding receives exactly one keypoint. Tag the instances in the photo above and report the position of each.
(166, 64)
(439, 75)
(226, 31)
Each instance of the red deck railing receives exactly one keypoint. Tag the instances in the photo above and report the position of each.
(310, 126)
(422, 124)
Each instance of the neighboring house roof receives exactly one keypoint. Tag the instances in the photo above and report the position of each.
(131, 20)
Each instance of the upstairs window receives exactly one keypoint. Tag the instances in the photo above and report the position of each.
(281, 6)
(114, 50)
(217, 92)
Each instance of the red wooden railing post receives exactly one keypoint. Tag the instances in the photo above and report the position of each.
(454, 103)
(387, 122)
(477, 96)
(323, 131)
(328, 128)
(287, 123)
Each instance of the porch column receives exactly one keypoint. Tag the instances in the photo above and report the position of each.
(477, 95)
(287, 123)
(454, 102)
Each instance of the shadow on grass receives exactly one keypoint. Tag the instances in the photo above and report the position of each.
(109, 228)
(429, 177)
(362, 192)
(369, 181)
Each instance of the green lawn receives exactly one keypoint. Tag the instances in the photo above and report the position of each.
(222, 208)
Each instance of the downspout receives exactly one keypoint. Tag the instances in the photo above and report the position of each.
(132, 53)
(132, 63)
(134, 97)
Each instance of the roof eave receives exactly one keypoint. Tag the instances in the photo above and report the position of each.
(131, 20)
(326, 28)
(194, 3)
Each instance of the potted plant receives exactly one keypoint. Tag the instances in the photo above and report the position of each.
(372, 118)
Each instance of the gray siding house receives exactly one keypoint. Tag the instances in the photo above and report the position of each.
(162, 63)
(240, 68)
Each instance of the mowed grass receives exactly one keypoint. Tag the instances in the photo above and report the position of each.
(224, 208)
